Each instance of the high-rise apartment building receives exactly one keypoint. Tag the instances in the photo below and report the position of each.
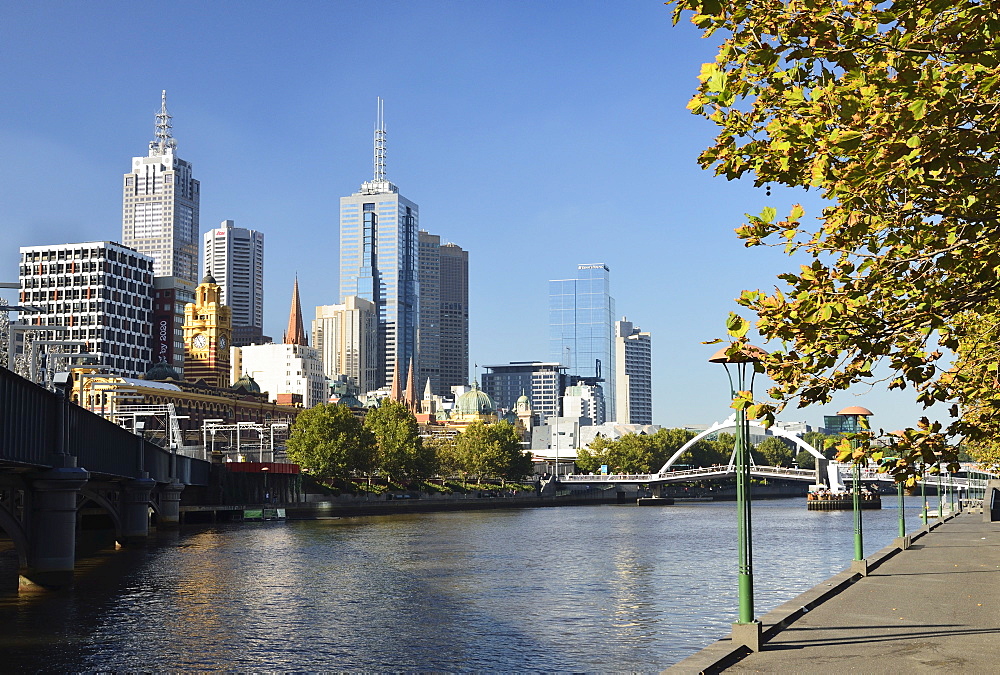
(634, 374)
(379, 261)
(170, 296)
(581, 336)
(234, 256)
(346, 337)
(454, 323)
(160, 206)
(102, 292)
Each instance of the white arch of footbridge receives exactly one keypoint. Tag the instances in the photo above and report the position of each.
(730, 423)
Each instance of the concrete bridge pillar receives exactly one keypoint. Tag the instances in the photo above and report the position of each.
(135, 510)
(52, 527)
(170, 505)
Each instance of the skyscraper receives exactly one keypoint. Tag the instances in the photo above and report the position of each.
(581, 336)
(443, 338)
(634, 374)
(234, 256)
(454, 321)
(160, 206)
(379, 260)
(429, 333)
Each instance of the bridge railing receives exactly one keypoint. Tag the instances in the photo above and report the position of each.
(29, 434)
(28, 421)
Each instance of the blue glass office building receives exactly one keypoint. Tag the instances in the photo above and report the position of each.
(378, 262)
(581, 328)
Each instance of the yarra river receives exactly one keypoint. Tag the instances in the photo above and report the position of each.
(584, 589)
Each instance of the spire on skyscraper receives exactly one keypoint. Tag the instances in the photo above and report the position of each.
(296, 334)
(162, 137)
(379, 142)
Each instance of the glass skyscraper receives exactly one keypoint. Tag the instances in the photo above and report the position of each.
(581, 329)
(379, 261)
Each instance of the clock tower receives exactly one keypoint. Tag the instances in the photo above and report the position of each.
(207, 335)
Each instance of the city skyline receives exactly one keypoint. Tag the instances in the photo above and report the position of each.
(527, 146)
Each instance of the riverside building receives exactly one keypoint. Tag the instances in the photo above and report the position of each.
(634, 374)
(581, 335)
(101, 292)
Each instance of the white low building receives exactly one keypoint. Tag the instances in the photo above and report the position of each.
(283, 369)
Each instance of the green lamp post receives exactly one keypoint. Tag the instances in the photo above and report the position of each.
(746, 630)
(854, 414)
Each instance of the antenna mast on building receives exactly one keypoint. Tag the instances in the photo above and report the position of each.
(162, 134)
(380, 142)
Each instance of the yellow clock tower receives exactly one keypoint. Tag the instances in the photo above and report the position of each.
(207, 335)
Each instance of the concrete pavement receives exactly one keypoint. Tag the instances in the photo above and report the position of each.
(934, 607)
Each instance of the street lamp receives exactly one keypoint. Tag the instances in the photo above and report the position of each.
(746, 630)
(854, 413)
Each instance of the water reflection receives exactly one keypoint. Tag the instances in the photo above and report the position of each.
(582, 589)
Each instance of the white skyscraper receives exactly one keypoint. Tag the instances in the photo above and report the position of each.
(234, 256)
(634, 372)
(378, 261)
(160, 206)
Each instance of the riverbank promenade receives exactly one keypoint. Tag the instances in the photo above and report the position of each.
(934, 607)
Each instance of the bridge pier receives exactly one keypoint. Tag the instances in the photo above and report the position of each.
(135, 510)
(52, 527)
(170, 505)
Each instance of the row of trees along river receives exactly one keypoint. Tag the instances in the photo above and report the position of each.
(331, 443)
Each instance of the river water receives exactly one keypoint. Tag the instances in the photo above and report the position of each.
(582, 589)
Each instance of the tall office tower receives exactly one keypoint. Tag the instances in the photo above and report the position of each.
(443, 339)
(634, 373)
(543, 383)
(234, 256)
(378, 260)
(454, 316)
(346, 337)
(581, 336)
(429, 332)
(102, 292)
(160, 206)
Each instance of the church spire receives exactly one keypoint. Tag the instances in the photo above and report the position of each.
(296, 334)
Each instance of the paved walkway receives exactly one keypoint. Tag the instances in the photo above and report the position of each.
(934, 607)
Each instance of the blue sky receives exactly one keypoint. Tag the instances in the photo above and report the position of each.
(536, 135)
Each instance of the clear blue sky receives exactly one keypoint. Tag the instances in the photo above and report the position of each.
(536, 135)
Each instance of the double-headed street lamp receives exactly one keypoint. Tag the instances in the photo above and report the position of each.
(855, 413)
(744, 360)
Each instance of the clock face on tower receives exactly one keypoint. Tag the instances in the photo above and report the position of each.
(200, 341)
(223, 342)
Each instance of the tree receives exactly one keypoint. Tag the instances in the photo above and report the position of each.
(493, 451)
(631, 453)
(330, 442)
(590, 459)
(772, 451)
(398, 439)
(887, 110)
